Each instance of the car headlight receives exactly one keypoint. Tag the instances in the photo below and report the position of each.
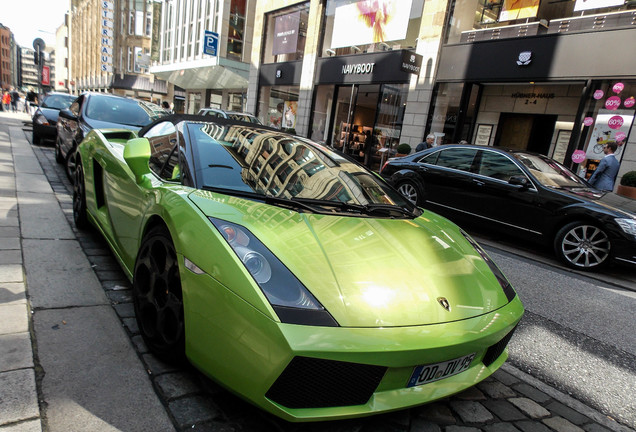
(40, 119)
(292, 302)
(503, 281)
(627, 225)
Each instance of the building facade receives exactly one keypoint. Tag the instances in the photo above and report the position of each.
(62, 78)
(110, 48)
(6, 58)
(552, 77)
(205, 50)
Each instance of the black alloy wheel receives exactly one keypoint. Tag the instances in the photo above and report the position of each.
(583, 246)
(71, 164)
(58, 151)
(410, 191)
(157, 297)
(79, 198)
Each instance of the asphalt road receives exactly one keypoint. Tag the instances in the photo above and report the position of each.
(578, 332)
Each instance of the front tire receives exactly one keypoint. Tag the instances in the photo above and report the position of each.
(158, 298)
(410, 191)
(79, 198)
(58, 152)
(71, 164)
(583, 246)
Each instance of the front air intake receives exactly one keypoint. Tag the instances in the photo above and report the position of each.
(317, 383)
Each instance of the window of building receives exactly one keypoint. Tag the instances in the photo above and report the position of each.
(350, 29)
(286, 34)
(236, 29)
(446, 120)
(466, 16)
(278, 105)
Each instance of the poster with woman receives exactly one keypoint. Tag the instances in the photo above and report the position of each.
(609, 125)
(289, 114)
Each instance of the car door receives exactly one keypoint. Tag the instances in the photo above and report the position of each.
(127, 201)
(446, 177)
(496, 200)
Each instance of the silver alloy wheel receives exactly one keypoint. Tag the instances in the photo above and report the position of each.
(409, 191)
(585, 246)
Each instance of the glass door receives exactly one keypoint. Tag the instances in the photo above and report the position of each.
(344, 109)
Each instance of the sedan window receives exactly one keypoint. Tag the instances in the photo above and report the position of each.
(498, 166)
(457, 158)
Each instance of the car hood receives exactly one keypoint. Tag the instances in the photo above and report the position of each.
(372, 272)
(609, 200)
(98, 124)
(51, 114)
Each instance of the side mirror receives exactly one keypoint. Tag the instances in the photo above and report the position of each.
(137, 156)
(67, 113)
(519, 181)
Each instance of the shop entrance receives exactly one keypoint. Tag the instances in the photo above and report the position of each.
(354, 119)
(532, 132)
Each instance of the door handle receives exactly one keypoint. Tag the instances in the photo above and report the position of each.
(479, 182)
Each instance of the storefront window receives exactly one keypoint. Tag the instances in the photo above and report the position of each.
(236, 30)
(447, 121)
(352, 26)
(470, 15)
(277, 107)
(285, 34)
(609, 118)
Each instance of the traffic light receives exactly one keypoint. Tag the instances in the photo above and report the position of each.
(36, 56)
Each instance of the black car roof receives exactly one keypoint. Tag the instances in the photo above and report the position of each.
(178, 118)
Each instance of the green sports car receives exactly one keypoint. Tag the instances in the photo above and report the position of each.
(288, 273)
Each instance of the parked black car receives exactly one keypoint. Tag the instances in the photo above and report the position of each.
(46, 114)
(98, 111)
(525, 194)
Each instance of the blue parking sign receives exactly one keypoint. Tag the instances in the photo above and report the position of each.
(210, 43)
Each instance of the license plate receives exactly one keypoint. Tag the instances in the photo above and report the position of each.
(434, 372)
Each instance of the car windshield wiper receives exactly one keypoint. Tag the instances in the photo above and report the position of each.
(268, 199)
(339, 205)
(388, 209)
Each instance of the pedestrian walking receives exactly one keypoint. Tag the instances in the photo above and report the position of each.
(6, 100)
(15, 98)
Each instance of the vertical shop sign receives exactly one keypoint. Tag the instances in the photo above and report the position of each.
(156, 31)
(286, 29)
(106, 36)
(46, 76)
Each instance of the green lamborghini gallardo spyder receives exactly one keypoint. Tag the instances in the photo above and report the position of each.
(289, 273)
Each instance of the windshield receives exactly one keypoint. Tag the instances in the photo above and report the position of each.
(58, 102)
(123, 110)
(272, 164)
(549, 172)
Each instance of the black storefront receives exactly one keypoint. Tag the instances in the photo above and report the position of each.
(587, 63)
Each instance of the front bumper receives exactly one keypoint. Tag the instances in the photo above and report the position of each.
(45, 131)
(251, 355)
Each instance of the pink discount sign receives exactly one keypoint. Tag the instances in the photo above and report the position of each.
(578, 156)
(615, 122)
(613, 103)
(629, 102)
(618, 87)
(588, 121)
(598, 94)
(620, 136)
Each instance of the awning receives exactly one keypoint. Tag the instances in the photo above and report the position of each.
(217, 73)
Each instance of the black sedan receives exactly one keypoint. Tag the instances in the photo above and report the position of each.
(46, 114)
(525, 194)
(98, 111)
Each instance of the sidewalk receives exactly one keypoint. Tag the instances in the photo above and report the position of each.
(71, 353)
(67, 362)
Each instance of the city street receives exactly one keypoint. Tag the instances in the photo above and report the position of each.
(572, 364)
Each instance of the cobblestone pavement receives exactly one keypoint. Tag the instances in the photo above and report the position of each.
(508, 401)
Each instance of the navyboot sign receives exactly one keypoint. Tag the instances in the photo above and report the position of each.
(360, 68)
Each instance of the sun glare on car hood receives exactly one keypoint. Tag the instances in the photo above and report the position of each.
(370, 272)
